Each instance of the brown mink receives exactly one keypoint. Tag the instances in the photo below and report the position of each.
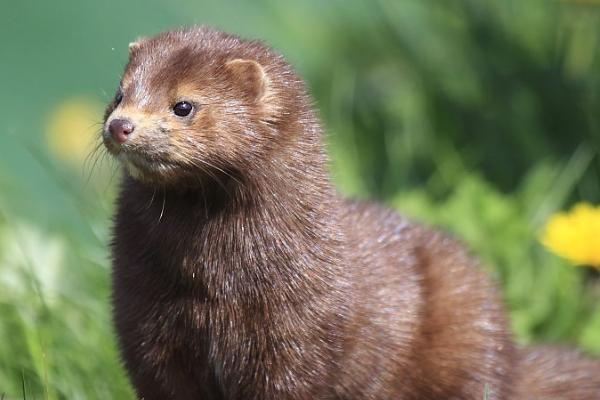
(239, 272)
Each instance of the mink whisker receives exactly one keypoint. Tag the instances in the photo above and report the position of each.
(163, 205)
(95, 154)
(207, 170)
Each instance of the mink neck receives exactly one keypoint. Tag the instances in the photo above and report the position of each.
(281, 181)
(279, 222)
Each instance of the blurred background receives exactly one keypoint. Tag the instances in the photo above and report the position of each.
(482, 117)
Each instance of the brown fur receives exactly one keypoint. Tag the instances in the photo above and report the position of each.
(239, 273)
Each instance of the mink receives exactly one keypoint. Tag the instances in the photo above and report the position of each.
(240, 273)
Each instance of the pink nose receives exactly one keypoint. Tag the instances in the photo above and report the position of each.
(120, 129)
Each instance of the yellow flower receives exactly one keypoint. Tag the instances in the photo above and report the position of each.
(71, 129)
(575, 235)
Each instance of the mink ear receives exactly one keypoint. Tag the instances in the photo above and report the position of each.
(249, 76)
(134, 46)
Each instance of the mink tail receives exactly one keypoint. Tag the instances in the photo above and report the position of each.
(553, 373)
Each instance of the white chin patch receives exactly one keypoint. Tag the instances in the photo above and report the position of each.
(141, 168)
(133, 170)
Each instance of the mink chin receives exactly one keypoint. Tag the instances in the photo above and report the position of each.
(240, 273)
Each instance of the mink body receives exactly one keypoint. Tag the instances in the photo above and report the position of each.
(239, 272)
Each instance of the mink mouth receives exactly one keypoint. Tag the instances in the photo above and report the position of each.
(146, 164)
(140, 160)
(142, 165)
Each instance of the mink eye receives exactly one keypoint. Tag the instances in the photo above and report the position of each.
(182, 108)
(119, 96)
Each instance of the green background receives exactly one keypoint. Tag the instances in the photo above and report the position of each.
(482, 117)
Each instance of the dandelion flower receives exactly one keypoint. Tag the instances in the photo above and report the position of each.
(575, 235)
(71, 128)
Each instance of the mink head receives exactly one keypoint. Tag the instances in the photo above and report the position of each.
(195, 103)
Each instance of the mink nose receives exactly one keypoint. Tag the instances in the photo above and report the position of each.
(120, 129)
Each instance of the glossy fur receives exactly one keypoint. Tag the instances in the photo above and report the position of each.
(239, 273)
